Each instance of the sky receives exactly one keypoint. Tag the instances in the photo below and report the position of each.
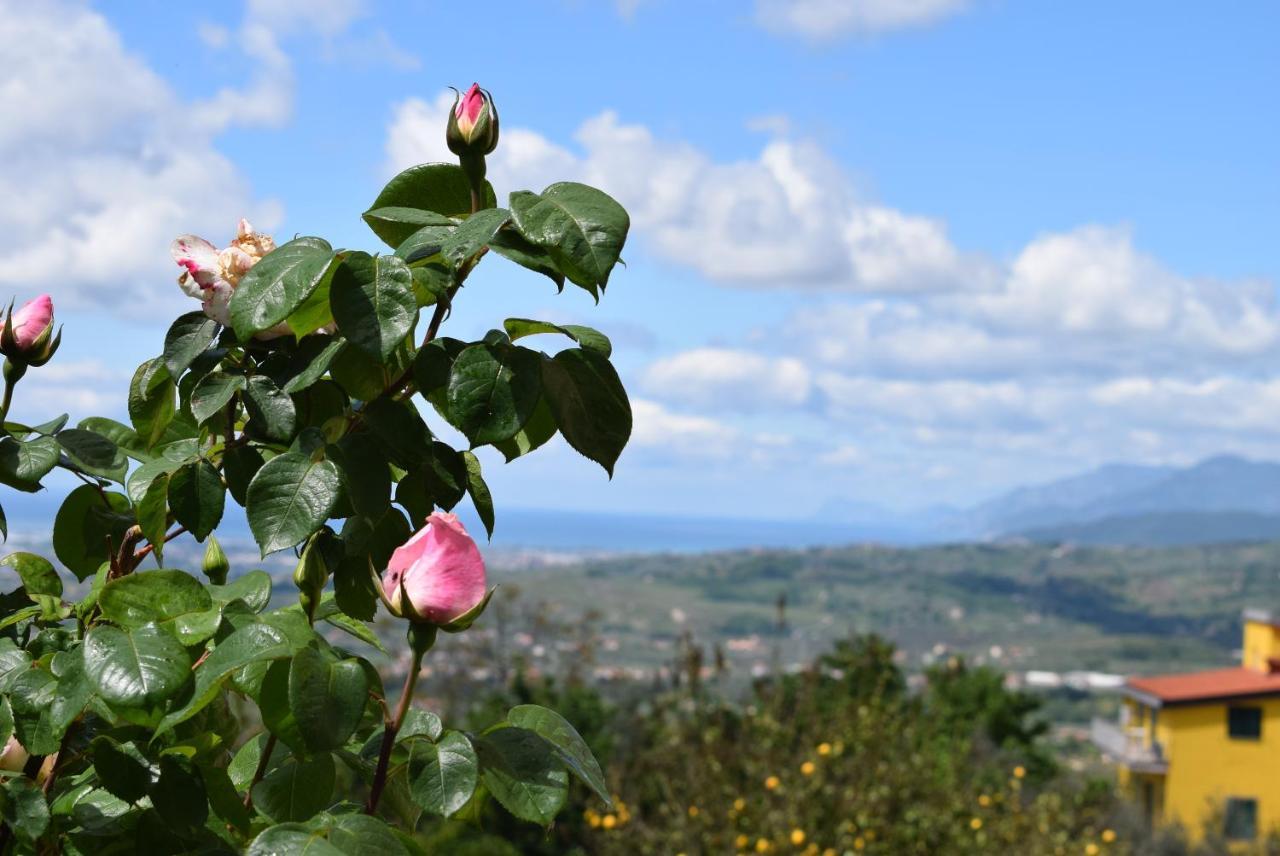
(889, 252)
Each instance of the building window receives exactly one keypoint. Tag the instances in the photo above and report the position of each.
(1244, 723)
(1241, 820)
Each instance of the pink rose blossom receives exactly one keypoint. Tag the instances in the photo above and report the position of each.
(468, 110)
(440, 571)
(31, 322)
(211, 275)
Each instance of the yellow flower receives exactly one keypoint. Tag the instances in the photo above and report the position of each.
(859, 844)
(693, 811)
(975, 823)
(797, 837)
(739, 804)
(609, 821)
(762, 845)
(1108, 835)
(830, 851)
(771, 783)
(741, 842)
(1091, 849)
(824, 749)
(1019, 771)
(984, 800)
(807, 768)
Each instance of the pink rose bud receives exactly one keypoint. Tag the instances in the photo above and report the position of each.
(14, 757)
(437, 576)
(26, 336)
(473, 123)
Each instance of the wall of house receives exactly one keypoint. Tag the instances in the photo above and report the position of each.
(1261, 643)
(1206, 766)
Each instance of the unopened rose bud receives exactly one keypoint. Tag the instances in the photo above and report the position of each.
(14, 757)
(26, 336)
(216, 564)
(473, 123)
(436, 577)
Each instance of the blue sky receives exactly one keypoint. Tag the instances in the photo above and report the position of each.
(887, 252)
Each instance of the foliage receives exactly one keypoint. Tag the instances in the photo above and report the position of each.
(300, 398)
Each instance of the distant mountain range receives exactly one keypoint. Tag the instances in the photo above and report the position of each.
(1220, 499)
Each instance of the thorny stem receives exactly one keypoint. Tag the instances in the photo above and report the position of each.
(8, 399)
(145, 551)
(390, 730)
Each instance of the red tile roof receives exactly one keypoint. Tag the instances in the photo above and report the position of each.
(1201, 686)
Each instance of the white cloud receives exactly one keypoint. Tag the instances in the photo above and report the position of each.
(77, 387)
(787, 219)
(99, 164)
(825, 20)
(721, 378)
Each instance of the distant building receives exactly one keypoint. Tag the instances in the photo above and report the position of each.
(1205, 746)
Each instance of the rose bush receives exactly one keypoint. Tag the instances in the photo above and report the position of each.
(163, 711)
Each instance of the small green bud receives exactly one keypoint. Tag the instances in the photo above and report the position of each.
(216, 565)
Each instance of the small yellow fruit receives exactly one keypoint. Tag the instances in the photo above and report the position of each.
(739, 804)
(1091, 849)
(771, 783)
(762, 845)
(797, 837)
(1019, 772)
(693, 811)
(984, 800)
(807, 768)
(975, 823)
(1108, 835)
(609, 821)
(824, 749)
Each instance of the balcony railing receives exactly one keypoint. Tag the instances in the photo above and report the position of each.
(1130, 746)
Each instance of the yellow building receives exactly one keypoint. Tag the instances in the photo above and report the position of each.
(1204, 747)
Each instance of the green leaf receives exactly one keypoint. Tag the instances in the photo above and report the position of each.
(446, 475)
(327, 697)
(365, 473)
(589, 404)
(435, 188)
(479, 491)
(425, 243)
(296, 790)
(31, 695)
(125, 438)
(493, 390)
(473, 235)
(240, 465)
(365, 378)
(400, 222)
(36, 572)
(309, 363)
(123, 769)
(523, 774)
(212, 394)
(278, 284)
(271, 412)
(136, 668)
(314, 313)
(540, 428)
(74, 689)
(158, 596)
(93, 453)
(84, 526)
(179, 794)
(290, 498)
(362, 835)
(509, 244)
(188, 337)
(24, 463)
(292, 839)
(273, 703)
(400, 431)
(587, 337)
(431, 282)
(581, 228)
(253, 589)
(353, 588)
(151, 401)
(251, 643)
(25, 810)
(373, 302)
(445, 778)
(565, 741)
(152, 510)
(196, 497)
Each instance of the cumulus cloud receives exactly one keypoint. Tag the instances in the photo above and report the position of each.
(661, 435)
(788, 218)
(826, 20)
(99, 167)
(722, 378)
